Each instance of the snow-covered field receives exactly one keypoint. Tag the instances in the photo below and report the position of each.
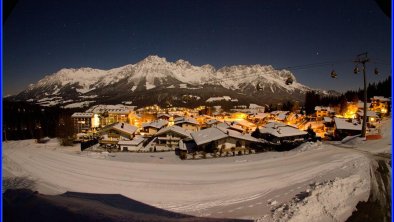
(315, 182)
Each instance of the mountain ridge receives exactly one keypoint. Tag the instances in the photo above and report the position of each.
(162, 79)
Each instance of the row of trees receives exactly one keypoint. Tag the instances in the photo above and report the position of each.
(23, 120)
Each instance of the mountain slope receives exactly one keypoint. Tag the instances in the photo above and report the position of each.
(154, 80)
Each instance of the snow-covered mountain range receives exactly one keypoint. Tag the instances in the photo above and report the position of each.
(154, 80)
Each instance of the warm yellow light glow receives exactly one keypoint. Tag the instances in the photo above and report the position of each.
(383, 110)
(372, 119)
(95, 121)
(350, 112)
(239, 116)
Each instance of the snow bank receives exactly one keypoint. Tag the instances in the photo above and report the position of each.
(334, 200)
(309, 146)
(353, 140)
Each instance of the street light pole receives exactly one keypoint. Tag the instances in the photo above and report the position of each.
(363, 58)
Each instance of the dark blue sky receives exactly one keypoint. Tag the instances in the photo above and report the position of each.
(41, 37)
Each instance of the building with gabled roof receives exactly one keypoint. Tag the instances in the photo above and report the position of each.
(187, 123)
(116, 132)
(279, 132)
(131, 145)
(151, 128)
(217, 139)
(346, 127)
(381, 105)
(170, 136)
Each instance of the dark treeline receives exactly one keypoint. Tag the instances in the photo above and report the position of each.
(22, 120)
(313, 99)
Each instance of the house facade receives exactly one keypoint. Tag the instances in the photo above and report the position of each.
(324, 111)
(187, 123)
(279, 132)
(381, 105)
(133, 145)
(169, 137)
(216, 139)
(151, 128)
(346, 127)
(112, 134)
(82, 122)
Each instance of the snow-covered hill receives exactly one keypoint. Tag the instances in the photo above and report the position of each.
(156, 80)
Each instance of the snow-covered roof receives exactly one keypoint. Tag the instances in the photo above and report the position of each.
(186, 120)
(238, 135)
(223, 125)
(122, 127)
(134, 142)
(82, 115)
(323, 108)
(235, 127)
(158, 124)
(281, 130)
(327, 119)
(281, 116)
(369, 113)
(381, 98)
(211, 121)
(163, 115)
(262, 115)
(216, 133)
(208, 135)
(277, 112)
(273, 124)
(347, 124)
(175, 129)
(243, 122)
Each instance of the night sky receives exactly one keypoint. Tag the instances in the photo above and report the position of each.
(41, 37)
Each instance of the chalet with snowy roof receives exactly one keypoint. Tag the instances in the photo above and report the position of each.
(222, 140)
(324, 111)
(241, 125)
(346, 127)
(133, 145)
(280, 115)
(211, 122)
(187, 123)
(277, 132)
(372, 117)
(170, 136)
(163, 116)
(116, 132)
(380, 105)
(295, 119)
(83, 122)
(151, 128)
(260, 118)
